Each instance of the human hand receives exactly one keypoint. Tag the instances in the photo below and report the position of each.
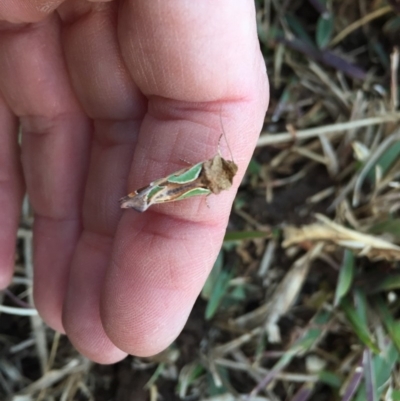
(111, 96)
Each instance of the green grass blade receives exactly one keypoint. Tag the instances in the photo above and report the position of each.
(392, 26)
(298, 29)
(362, 307)
(346, 275)
(188, 374)
(358, 325)
(254, 168)
(218, 293)
(390, 226)
(385, 161)
(384, 365)
(392, 326)
(314, 332)
(382, 368)
(369, 377)
(212, 389)
(373, 283)
(330, 378)
(310, 337)
(323, 34)
(155, 375)
(213, 277)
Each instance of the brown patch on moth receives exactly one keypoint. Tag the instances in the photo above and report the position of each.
(217, 174)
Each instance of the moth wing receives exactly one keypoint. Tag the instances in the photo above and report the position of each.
(142, 198)
(135, 201)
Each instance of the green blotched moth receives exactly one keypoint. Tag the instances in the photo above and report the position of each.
(208, 177)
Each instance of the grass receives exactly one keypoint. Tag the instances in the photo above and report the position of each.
(302, 303)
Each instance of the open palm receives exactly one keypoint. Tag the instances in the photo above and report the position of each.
(111, 96)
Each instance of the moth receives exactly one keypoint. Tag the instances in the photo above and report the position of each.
(207, 177)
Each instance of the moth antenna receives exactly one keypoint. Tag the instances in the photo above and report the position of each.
(223, 133)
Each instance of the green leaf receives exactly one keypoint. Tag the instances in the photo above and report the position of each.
(346, 275)
(324, 30)
(382, 368)
(379, 49)
(213, 276)
(288, 91)
(308, 340)
(392, 326)
(188, 374)
(218, 293)
(314, 332)
(374, 282)
(391, 282)
(254, 167)
(391, 155)
(390, 226)
(362, 307)
(392, 26)
(358, 324)
(238, 293)
(384, 364)
(331, 379)
(240, 201)
(298, 29)
(212, 389)
(155, 375)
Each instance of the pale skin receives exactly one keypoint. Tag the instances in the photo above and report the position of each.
(111, 96)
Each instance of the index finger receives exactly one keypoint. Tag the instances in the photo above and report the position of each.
(191, 60)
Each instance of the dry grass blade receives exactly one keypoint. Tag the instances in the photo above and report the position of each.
(53, 376)
(18, 311)
(282, 137)
(270, 312)
(394, 68)
(389, 141)
(363, 244)
(357, 24)
(267, 259)
(36, 322)
(236, 343)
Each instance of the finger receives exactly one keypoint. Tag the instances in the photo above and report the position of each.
(23, 11)
(116, 106)
(11, 191)
(54, 152)
(206, 57)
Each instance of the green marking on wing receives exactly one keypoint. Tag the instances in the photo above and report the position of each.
(154, 191)
(188, 175)
(194, 192)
